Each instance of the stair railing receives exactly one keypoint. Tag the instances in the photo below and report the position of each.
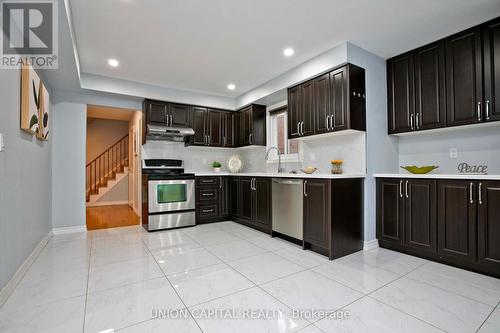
(106, 165)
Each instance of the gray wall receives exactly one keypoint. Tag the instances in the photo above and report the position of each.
(382, 149)
(68, 164)
(476, 146)
(25, 183)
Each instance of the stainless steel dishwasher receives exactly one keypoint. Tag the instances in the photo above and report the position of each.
(287, 207)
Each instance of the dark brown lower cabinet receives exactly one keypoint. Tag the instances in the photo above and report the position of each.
(254, 203)
(211, 199)
(234, 194)
(333, 216)
(455, 222)
(488, 227)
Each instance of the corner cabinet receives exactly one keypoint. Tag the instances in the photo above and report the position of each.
(333, 216)
(331, 102)
(450, 82)
(252, 125)
(212, 194)
(450, 221)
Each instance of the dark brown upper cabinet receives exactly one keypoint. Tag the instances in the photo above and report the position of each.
(331, 102)
(491, 65)
(488, 232)
(252, 125)
(179, 115)
(447, 83)
(215, 128)
(199, 123)
(464, 78)
(168, 114)
(229, 129)
(156, 112)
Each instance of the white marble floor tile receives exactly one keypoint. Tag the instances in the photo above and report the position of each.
(185, 260)
(278, 318)
(121, 273)
(124, 306)
(116, 231)
(310, 291)
(201, 229)
(268, 243)
(368, 315)
(310, 329)
(110, 242)
(479, 287)
(161, 325)
(204, 284)
(244, 232)
(235, 250)
(438, 307)
(215, 238)
(265, 267)
(109, 255)
(72, 237)
(158, 242)
(56, 317)
(492, 324)
(305, 258)
(356, 275)
(388, 260)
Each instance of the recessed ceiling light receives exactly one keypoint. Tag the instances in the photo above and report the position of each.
(231, 86)
(113, 62)
(288, 52)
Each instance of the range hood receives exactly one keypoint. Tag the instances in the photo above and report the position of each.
(161, 132)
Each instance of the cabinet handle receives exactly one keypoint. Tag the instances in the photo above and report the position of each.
(250, 138)
(400, 188)
(171, 120)
(298, 127)
(305, 188)
(471, 199)
(417, 120)
(480, 193)
(327, 118)
(487, 109)
(207, 194)
(207, 210)
(331, 121)
(479, 111)
(411, 122)
(220, 182)
(302, 128)
(406, 189)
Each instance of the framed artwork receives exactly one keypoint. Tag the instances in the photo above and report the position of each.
(35, 103)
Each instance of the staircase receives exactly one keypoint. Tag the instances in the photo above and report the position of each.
(106, 169)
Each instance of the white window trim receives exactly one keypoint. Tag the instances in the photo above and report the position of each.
(270, 142)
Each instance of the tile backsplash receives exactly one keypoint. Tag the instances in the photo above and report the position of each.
(316, 152)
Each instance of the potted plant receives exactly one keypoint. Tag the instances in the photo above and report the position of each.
(336, 166)
(216, 166)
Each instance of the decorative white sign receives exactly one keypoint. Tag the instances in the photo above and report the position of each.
(472, 169)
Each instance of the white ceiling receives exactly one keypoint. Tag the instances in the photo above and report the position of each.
(104, 112)
(201, 45)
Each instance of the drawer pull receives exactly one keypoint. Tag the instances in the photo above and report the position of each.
(207, 210)
(207, 194)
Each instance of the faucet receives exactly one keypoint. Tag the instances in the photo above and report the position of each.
(280, 169)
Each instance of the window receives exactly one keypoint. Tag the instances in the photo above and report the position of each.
(279, 136)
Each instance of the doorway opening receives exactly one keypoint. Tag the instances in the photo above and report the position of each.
(113, 167)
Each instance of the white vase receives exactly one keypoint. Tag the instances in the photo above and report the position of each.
(216, 169)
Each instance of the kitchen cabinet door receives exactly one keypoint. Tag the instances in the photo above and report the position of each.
(400, 93)
(199, 121)
(307, 109)
(234, 195)
(390, 211)
(246, 198)
(262, 202)
(322, 104)
(317, 213)
(294, 112)
(246, 126)
(229, 122)
(214, 128)
(179, 115)
(420, 212)
(225, 199)
(338, 97)
(491, 63)
(489, 226)
(156, 112)
(457, 221)
(464, 78)
(430, 107)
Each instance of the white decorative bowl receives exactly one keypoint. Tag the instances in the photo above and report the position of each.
(234, 164)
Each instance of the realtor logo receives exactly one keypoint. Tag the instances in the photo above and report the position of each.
(29, 30)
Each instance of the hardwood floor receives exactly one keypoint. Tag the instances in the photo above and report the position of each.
(110, 217)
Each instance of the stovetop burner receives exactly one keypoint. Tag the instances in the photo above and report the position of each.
(165, 168)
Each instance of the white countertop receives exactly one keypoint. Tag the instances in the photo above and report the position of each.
(282, 175)
(436, 176)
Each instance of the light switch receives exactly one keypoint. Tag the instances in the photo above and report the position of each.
(453, 153)
(2, 144)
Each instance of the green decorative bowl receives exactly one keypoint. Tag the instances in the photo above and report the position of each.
(420, 170)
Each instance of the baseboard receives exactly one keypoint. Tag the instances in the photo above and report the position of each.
(370, 245)
(69, 230)
(107, 203)
(16, 278)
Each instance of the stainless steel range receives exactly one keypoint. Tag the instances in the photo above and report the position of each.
(167, 195)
